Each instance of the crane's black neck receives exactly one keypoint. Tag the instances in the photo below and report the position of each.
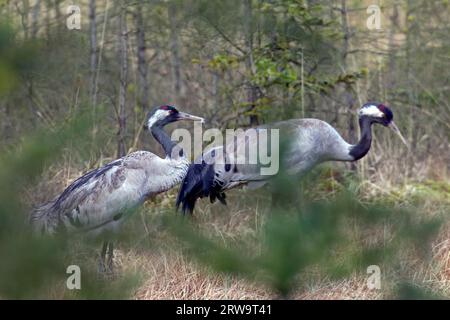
(164, 140)
(360, 149)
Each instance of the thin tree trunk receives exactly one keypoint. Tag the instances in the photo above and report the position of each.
(175, 49)
(216, 89)
(392, 48)
(35, 18)
(123, 57)
(93, 51)
(24, 16)
(143, 85)
(252, 92)
(48, 5)
(411, 31)
(348, 94)
(57, 14)
(31, 104)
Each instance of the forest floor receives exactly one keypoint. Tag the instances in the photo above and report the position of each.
(166, 273)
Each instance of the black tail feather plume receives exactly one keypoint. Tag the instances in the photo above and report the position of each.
(198, 183)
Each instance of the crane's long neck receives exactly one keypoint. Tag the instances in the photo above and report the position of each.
(360, 149)
(164, 140)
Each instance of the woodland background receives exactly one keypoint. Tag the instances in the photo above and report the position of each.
(237, 63)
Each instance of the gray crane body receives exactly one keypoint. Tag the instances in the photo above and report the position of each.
(101, 200)
(97, 203)
(309, 142)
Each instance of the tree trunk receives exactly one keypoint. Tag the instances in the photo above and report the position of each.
(58, 13)
(348, 94)
(392, 49)
(123, 61)
(411, 32)
(216, 89)
(35, 18)
(143, 86)
(175, 50)
(48, 5)
(93, 51)
(24, 17)
(252, 91)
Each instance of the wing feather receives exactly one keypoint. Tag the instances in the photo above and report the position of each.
(99, 197)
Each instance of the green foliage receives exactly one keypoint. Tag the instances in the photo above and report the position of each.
(15, 58)
(268, 72)
(290, 54)
(222, 62)
(286, 36)
(333, 236)
(409, 291)
(31, 265)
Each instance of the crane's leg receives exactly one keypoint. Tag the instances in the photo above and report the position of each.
(102, 260)
(110, 261)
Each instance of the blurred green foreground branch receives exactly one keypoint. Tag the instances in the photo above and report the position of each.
(30, 266)
(336, 238)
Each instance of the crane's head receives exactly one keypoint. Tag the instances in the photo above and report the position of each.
(379, 113)
(165, 114)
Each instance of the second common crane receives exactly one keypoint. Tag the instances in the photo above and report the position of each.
(311, 141)
(98, 202)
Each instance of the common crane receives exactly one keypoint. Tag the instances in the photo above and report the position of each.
(311, 141)
(99, 202)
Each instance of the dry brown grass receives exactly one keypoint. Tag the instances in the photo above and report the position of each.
(172, 276)
(166, 273)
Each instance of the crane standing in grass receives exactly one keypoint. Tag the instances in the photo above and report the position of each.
(98, 202)
(310, 142)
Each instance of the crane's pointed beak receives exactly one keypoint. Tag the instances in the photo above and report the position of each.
(394, 127)
(187, 116)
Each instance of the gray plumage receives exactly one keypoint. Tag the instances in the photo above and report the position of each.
(98, 202)
(309, 142)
